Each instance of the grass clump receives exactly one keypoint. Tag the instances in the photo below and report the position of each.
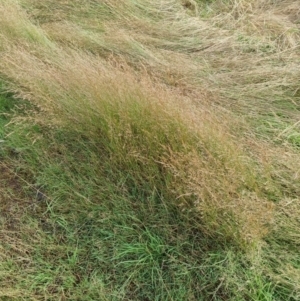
(147, 137)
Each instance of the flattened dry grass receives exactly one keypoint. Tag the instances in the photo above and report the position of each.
(158, 148)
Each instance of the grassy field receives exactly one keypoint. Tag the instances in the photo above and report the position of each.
(150, 150)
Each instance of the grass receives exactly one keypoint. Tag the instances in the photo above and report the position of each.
(149, 150)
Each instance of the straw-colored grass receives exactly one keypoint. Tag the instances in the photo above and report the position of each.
(153, 147)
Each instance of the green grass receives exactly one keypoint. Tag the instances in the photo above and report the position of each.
(105, 236)
(6, 104)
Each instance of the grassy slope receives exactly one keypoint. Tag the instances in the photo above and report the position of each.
(149, 150)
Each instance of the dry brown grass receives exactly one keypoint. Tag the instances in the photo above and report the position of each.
(209, 103)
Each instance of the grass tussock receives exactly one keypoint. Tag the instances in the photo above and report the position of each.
(121, 114)
(149, 150)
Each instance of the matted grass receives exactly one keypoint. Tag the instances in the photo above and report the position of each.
(149, 150)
